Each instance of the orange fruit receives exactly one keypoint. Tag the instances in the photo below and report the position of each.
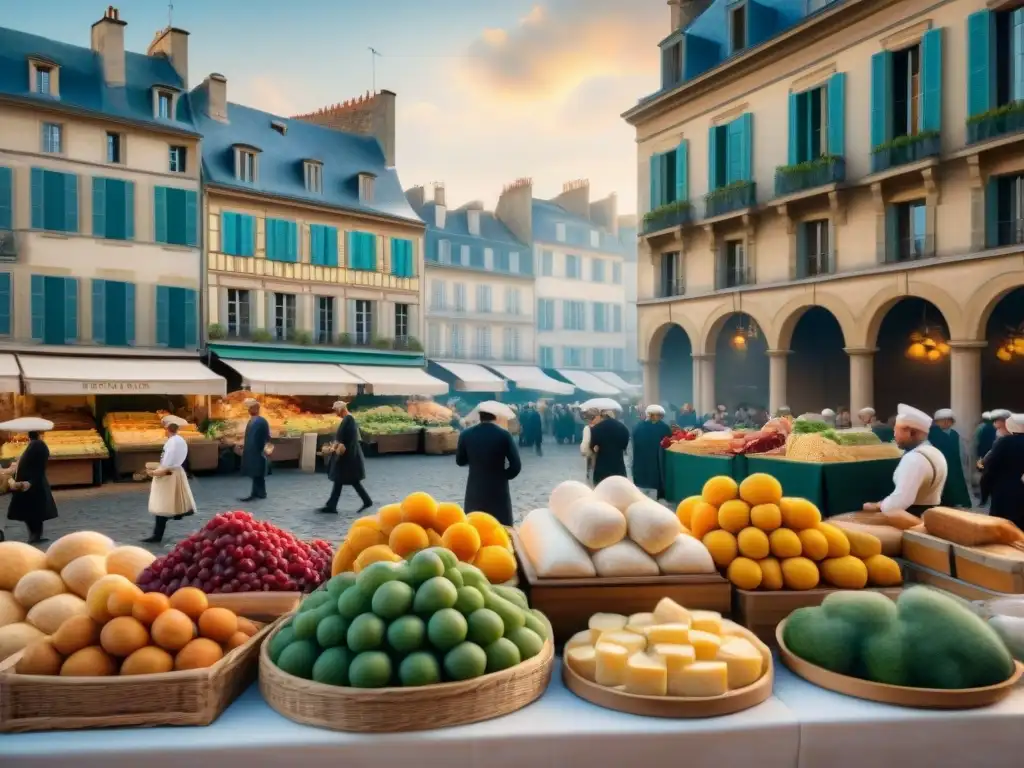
(190, 601)
(497, 563)
(218, 624)
(448, 513)
(462, 539)
(408, 538)
(362, 538)
(433, 538)
(148, 661)
(369, 521)
(247, 627)
(199, 653)
(344, 559)
(388, 517)
(172, 630)
(150, 605)
(419, 508)
(236, 640)
(89, 662)
(123, 635)
(495, 537)
(76, 633)
(482, 521)
(375, 554)
(121, 602)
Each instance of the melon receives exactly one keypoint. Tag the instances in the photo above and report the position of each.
(129, 561)
(99, 594)
(619, 492)
(14, 638)
(36, 586)
(11, 611)
(17, 559)
(567, 493)
(76, 545)
(48, 615)
(82, 572)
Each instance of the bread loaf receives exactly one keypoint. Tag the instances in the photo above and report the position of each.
(971, 529)
(552, 550)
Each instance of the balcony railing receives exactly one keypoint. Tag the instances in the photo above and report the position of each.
(669, 288)
(790, 179)
(995, 123)
(732, 197)
(913, 248)
(667, 217)
(217, 332)
(905, 150)
(1005, 233)
(814, 265)
(733, 277)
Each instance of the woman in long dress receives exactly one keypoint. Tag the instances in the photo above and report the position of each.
(31, 499)
(170, 495)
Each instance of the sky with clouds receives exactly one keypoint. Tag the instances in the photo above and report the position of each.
(488, 90)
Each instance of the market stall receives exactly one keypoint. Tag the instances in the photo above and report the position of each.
(633, 390)
(589, 383)
(470, 377)
(76, 447)
(392, 381)
(138, 437)
(308, 379)
(290, 417)
(532, 378)
(10, 374)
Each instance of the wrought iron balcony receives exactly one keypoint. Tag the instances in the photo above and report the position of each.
(735, 276)
(913, 248)
(905, 150)
(814, 265)
(1000, 234)
(668, 217)
(667, 289)
(790, 179)
(732, 197)
(1001, 121)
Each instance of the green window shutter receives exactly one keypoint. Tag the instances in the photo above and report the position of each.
(931, 79)
(881, 98)
(129, 313)
(229, 233)
(246, 235)
(836, 95)
(38, 198)
(892, 234)
(293, 241)
(189, 319)
(734, 152)
(713, 152)
(70, 310)
(371, 251)
(129, 210)
(331, 246)
(6, 198)
(5, 303)
(270, 237)
(316, 245)
(116, 209)
(163, 315)
(656, 190)
(99, 207)
(38, 307)
(160, 214)
(683, 171)
(801, 250)
(980, 56)
(99, 311)
(992, 212)
(191, 218)
(747, 147)
(350, 253)
(794, 128)
(70, 202)
(54, 201)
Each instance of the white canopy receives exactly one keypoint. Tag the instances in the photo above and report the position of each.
(70, 375)
(588, 382)
(474, 378)
(395, 381)
(310, 379)
(615, 380)
(532, 377)
(10, 374)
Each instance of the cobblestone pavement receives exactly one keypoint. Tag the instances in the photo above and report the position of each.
(119, 510)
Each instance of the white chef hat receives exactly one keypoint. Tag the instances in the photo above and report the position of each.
(1001, 414)
(339, 404)
(249, 402)
(866, 412)
(909, 416)
(784, 409)
(655, 410)
(1015, 424)
(987, 416)
(828, 413)
(944, 413)
(172, 419)
(27, 424)
(722, 408)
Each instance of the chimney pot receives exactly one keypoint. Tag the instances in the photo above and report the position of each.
(439, 196)
(107, 39)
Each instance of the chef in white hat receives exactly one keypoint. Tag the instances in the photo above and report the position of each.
(647, 437)
(170, 495)
(866, 416)
(829, 416)
(921, 474)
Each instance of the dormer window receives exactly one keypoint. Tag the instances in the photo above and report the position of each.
(560, 232)
(737, 28)
(278, 126)
(43, 80)
(43, 77)
(314, 173)
(165, 102)
(473, 222)
(163, 105)
(246, 164)
(366, 181)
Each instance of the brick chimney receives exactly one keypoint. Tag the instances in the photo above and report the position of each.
(685, 11)
(367, 115)
(417, 196)
(605, 213)
(575, 197)
(108, 41)
(473, 221)
(515, 209)
(216, 88)
(172, 43)
(440, 206)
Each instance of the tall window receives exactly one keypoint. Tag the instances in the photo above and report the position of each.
(176, 213)
(402, 315)
(434, 340)
(178, 156)
(733, 271)
(600, 317)
(113, 312)
(575, 315)
(597, 270)
(513, 261)
(52, 136)
(617, 274)
(114, 154)
(617, 318)
(58, 193)
(560, 232)
(460, 297)
(437, 297)
(599, 357)
(1005, 211)
(510, 344)
(444, 251)
(618, 356)
(814, 253)
(457, 341)
(464, 254)
(512, 301)
(483, 343)
(483, 298)
(906, 91)
(364, 321)
(811, 129)
(324, 319)
(546, 357)
(113, 208)
(907, 224)
(163, 105)
(314, 173)
(672, 282)
(245, 165)
(43, 76)
(238, 313)
(573, 268)
(54, 309)
(671, 64)
(284, 316)
(546, 314)
(737, 28)
(572, 357)
(547, 263)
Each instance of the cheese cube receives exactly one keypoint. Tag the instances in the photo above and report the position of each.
(631, 641)
(676, 657)
(579, 639)
(668, 611)
(646, 675)
(583, 661)
(638, 621)
(702, 679)
(707, 621)
(732, 628)
(705, 644)
(604, 622)
(744, 661)
(675, 634)
(611, 664)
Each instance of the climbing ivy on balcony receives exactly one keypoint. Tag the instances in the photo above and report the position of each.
(667, 210)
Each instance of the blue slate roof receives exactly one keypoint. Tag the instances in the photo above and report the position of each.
(493, 234)
(547, 215)
(281, 173)
(456, 222)
(82, 87)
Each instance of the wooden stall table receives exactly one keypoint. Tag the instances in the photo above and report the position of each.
(74, 471)
(203, 455)
(286, 449)
(130, 459)
(404, 442)
(834, 487)
(686, 473)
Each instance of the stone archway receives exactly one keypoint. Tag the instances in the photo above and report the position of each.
(864, 333)
(793, 312)
(1002, 362)
(741, 369)
(672, 351)
(818, 370)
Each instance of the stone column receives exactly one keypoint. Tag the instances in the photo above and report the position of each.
(862, 379)
(706, 395)
(651, 390)
(777, 369)
(965, 383)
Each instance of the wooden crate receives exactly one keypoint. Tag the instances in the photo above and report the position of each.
(930, 551)
(63, 473)
(203, 455)
(128, 461)
(918, 574)
(762, 612)
(404, 443)
(995, 567)
(569, 603)
(286, 449)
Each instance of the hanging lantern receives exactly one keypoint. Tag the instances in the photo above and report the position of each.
(1017, 345)
(943, 348)
(917, 351)
(934, 355)
(929, 342)
(739, 341)
(1004, 355)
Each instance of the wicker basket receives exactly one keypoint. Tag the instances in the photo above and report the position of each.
(388, 710)
(194, 697)
(437, 443)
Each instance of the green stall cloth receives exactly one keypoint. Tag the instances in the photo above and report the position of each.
(802, 479)
(685, 474)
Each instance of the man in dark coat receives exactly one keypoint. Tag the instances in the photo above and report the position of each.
(609, 439)
(647, 437)
(1002, 477)
(492, 457)
(942, 435)
(32, 501)
(345, 466)
(533, 418)
(254, 451)
(687, 417)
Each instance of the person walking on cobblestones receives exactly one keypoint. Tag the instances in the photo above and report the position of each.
(170, 495)
(345, 465)
(493, 459)
(31, 499)
(255, 449)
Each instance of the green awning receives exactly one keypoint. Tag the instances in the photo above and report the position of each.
(339, 356)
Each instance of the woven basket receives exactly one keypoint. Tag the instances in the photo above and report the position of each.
(194, 697)
(700, 447)
(873, 452)
(389, 710)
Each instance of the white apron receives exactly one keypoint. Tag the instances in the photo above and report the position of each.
(170, 495)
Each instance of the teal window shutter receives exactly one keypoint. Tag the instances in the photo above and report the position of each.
(160, 214)
(931, 79)
(293, 240)
(980, 59)
(350, 250)
(99, 311)
(747, 132)
(115, 221)
(836, 95)
(129, 210)
(683, 171)
(734, 152)
(129, 313)
(801, 250)
(656, 181)
(371, 251)
(70, 202)
(892, 234)
(229, 233)
(38, 288)
(99, 207)
(189, 319)
(246, 235)
(881, 98)
(794, 128)
(713, 151)
(191, 218)
(6, 198)
(271, 239)
(316, 245)
(992, 212)
(70, 310)
(5, 303)
(163, 315)
(38, 198)
(330, 246)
